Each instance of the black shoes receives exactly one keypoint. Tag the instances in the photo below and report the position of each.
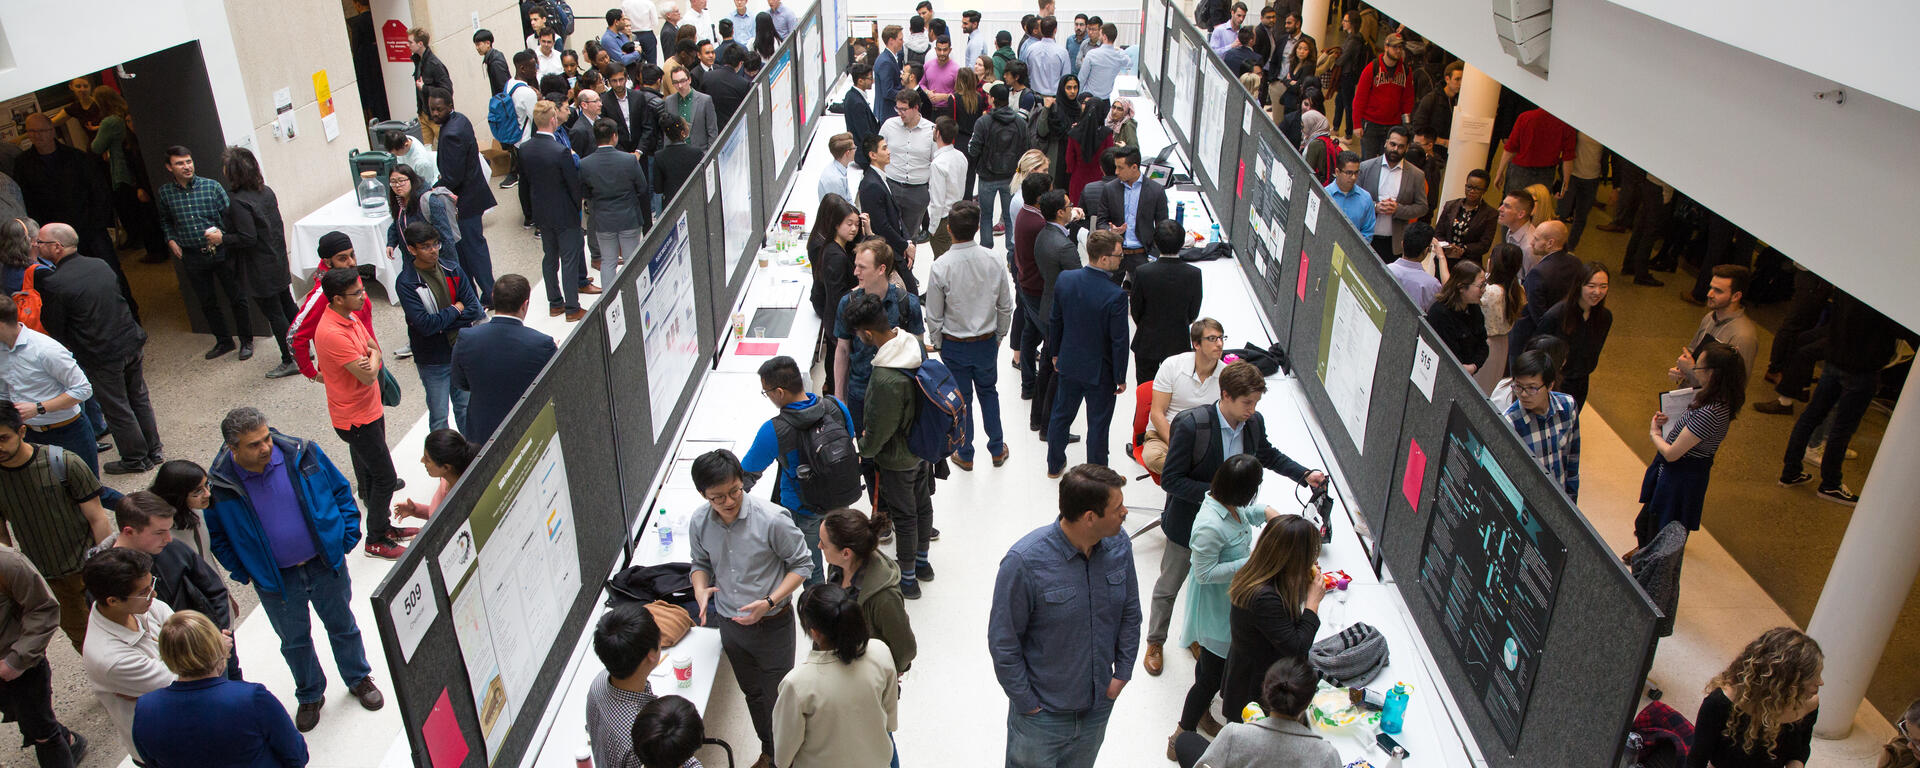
(1648, 281)
(220, 347)
(924, 572)
(307, 716)
(1773, 407)
(124, 467)
(246, 350)
(284, 369)
(910, 589)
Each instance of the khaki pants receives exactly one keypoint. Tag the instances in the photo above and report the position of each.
(1153, 451)
(429, 131)
(72, 594)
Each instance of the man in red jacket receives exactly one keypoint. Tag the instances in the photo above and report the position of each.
(336, 252)
(1384, 97)
(1538, 145)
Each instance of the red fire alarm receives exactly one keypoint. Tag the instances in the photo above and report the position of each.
(393, 37)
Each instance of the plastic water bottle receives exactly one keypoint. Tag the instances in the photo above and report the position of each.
(1216, 234)
(1394, 714)
(372, 195)
(1180, 214)
(666, 532)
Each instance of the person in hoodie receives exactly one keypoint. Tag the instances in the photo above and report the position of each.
(799, 410)
(181, 578)
(850, 542)
(336, 252)
(873, 265)
(283, 519)
(906, 482)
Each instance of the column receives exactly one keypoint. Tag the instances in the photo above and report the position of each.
(1479, 99)
(1313, 20)
(1872, 574)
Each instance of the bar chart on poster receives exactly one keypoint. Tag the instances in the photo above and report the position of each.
(1350, 346)
(526, 575)
(1491, 569)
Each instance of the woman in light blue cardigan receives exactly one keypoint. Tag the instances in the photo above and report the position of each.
(1221, 542)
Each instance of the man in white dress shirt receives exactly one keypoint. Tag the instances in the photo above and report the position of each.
(910, 139)
(946, 184)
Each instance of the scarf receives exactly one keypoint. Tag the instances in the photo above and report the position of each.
(1312, 125)
(1089, 130)
(1124, 108)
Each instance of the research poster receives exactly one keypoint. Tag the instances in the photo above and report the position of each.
(1153, 40)
(736, 195)
(1490, 569)
(1350, 346)
(1269, 188)
(780, 108)
(1212, 130)
(525, 577)
(667, 325)
(815, 83)
(1181, 74)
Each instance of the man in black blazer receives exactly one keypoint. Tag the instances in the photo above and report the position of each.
(674, 163)
(1194, 451)
(858, 112)
(552, 172)
(463, 173)
(883, 212)
(1149, 206)
(1055, 252)
(727, 86)
(618, 104)
(497, 360)
(1166, 300)
(1087, 341)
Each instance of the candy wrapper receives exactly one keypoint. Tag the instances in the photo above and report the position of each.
(1335, 580)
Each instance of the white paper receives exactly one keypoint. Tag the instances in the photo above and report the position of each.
(667, 324)
(1350, 364)
(1246, 121)
(616, 320)
(1674, 405)
(1473, 128)
(458, 557)
(1426, 366)
(414, 611)
(780, 110)
(1211, 130)
(711, 187)
(1313, 214)
(284, 127)
(330, 125)
(736, 199)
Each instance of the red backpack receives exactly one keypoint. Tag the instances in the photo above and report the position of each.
(1325, 175)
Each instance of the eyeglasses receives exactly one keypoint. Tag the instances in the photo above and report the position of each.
(1215, 339)
(1525, 389)
(45, 242)
(730, 493)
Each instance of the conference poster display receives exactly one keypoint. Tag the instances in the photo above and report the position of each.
(1490, 569)
(667, 325)
(525, 577)
(780, 108)
(1213, 129)
(1182, 74)
(816, 58)
(1153, 40)
(1270, 189)
(736, 198)
(1350, 346)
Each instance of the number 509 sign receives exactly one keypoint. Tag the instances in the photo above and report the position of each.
(415, 611)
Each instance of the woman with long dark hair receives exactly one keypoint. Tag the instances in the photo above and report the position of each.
(1056, 124)
(764, 39)
(1456, 317)
(1301, 60)
(1221, 543)
(850, 544)
(1582, 318)
(409, 199)
(1355, 53)
(16, 253)
(1089, 138)
(446, 457)
(969, 102)
(1276, 603)
(1675, 486)
(836, 227)
(1500, 305)
(184, 485)
(840, 706)
(1759, 711)
(257, 244)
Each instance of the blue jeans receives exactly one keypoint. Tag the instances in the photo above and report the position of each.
(995, 196)
(1845, 396)
(972, 364)
(95, 416)
(1057, 739)
(438, 381)
(1066, 404)
(475, 257)
(330, 593)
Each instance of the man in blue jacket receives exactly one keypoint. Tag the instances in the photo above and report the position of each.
(1088, 331)
(802, 411)
(439, 301)
(499, 359)
(283, 519)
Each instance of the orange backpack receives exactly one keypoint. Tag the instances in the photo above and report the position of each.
(27, 300)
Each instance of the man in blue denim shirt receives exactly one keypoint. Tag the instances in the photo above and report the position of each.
(1066, 625)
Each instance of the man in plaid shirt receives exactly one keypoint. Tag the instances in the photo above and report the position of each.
(193, 210)
(1547, 422)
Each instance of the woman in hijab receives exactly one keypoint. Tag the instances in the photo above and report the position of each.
(1062, 116)
(1317, 144)
(1126, 131)
(1088, 139)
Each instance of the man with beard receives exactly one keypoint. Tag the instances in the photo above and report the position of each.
(1384, 97)
(1399, 191)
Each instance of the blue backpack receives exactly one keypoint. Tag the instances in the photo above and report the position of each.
(502, 119)
(940, 424)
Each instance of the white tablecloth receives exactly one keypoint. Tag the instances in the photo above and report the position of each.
(369, 242)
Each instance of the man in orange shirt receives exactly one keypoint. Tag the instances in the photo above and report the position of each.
(349, 360)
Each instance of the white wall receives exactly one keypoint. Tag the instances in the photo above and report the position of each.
(1836, 40)
(1830, 186)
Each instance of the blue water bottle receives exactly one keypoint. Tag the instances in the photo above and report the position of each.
(1180, 214)
(1394, 713)
(1216, 234)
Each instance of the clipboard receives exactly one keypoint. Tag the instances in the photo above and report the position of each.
(1674, 404)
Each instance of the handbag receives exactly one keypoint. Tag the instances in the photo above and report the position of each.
(674, 622)
(389, 388)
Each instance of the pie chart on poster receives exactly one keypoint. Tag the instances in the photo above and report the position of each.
(1510, 655)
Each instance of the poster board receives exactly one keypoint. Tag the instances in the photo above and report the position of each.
(668, 324)
(737, 190)
(783, 126)
(1209, 137)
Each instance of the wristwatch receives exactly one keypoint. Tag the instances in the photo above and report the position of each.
(40, 408)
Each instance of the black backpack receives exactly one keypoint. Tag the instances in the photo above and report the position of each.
(829, 468)
(1006, 141)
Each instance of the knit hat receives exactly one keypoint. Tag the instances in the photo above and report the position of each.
(334, 242)
(1350, 658)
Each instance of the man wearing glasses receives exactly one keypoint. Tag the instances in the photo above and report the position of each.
(1351, 198)
(1186, 380)
(122, 656)
(1547, 422)
(748, 559)
(350, 361)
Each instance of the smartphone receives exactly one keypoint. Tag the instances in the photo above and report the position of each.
(1392, 747)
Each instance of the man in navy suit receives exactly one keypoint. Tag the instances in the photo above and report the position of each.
(549, 167)
(1088, 329)
(858, 112)
(886, 73)
(1130, 206)
(462, 172)
(883, 210)
(497, 360)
